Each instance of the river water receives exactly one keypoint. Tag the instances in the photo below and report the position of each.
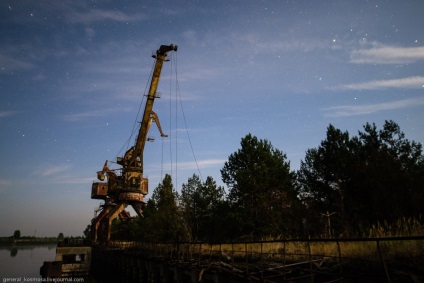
(24, 261)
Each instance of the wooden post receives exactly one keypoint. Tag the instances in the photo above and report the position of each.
(310, 262)
(232, 253)
(261, 264)
(247, 263)
(200, 252)
(284, 260)
(340, 260)
(383, 262)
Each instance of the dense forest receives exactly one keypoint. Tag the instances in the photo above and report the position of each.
(348, 186)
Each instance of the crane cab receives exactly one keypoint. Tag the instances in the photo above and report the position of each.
(99, 190)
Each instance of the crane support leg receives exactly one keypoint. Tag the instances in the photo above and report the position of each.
(95, 225)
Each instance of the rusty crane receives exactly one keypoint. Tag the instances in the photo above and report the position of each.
(127, 185)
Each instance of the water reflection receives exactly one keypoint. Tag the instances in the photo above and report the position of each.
(13, 251)
(24, 261)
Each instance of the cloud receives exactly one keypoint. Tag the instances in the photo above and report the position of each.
(355, 110)
(190, 165)
(9, 64)
(99, 15)
(410, 82)
(201, 163)
(380, 54)
(257, 43)
(58, 174)
(197, 72)
(91, 114)
(54, 170)
(71, 180)
(4, 114)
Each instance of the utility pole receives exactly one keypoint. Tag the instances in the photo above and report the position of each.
(328, 215)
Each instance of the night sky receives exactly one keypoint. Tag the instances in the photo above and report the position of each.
(73, 75)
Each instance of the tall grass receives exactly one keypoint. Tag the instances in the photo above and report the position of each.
(403, 227)
(294, 251)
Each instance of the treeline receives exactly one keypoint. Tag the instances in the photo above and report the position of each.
(349, 186)
(17, 238)
(27, 240)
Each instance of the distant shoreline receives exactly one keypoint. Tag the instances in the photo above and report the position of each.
(26, 242)
(20, 244)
